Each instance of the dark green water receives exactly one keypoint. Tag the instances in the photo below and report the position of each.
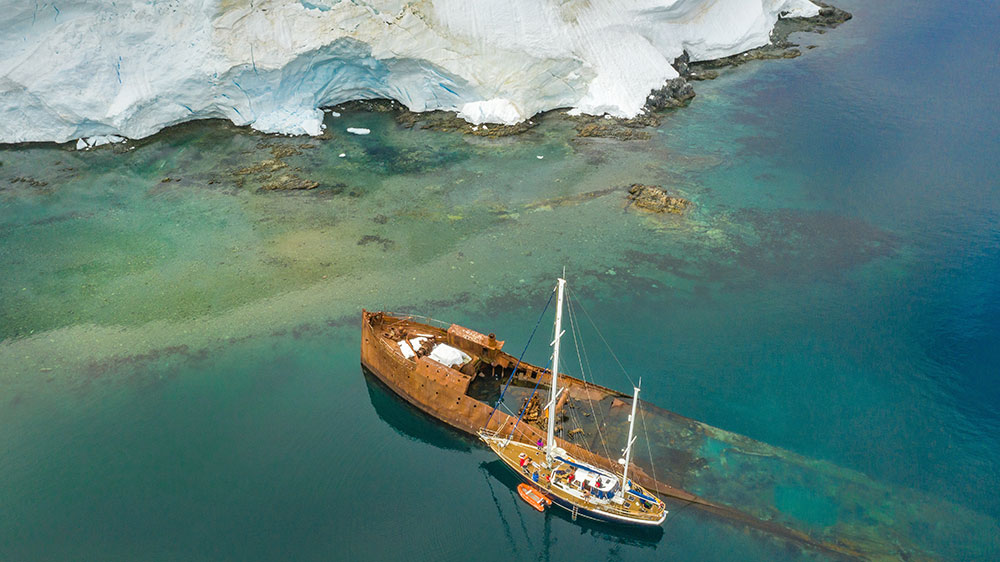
(179, 360)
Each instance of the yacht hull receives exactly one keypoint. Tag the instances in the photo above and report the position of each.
(581, 511)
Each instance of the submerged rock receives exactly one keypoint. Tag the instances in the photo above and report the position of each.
(289, 182)
(611, 129)
(385, 243)
(656, 199)
(262, 167)
(274, 174)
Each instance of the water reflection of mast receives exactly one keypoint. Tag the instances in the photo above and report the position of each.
(547, 537)
(496, 502)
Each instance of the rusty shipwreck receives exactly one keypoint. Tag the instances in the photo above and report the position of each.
(459, 390)
(718, 472)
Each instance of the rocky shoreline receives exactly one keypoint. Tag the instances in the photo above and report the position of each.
(780, 47)
(676, 93)
(679, 91)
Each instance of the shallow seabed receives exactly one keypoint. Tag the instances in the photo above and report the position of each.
(179, 349)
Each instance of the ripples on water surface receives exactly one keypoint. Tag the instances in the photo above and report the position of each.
(179, 358)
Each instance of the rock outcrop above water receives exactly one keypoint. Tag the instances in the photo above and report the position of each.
(91, 68)
(677, 92)
(656, 199)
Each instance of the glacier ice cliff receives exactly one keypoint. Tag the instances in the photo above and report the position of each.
(86, 68)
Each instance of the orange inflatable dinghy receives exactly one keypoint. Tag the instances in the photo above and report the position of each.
(534, 498)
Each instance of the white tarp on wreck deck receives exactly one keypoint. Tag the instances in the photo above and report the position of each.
(449, 356)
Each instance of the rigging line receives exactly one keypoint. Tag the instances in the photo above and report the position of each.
(598, 420)
(574, 325)
(642, 414)
(599, 416)
(509, 412)
(571, 414)
(687, 504)
(645, 432)
(570, 408)
(524, 410)
(592, 323)
(574, 418)
(518, 364)
(583, 349)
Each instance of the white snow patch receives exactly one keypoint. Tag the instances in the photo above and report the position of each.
(496, 110)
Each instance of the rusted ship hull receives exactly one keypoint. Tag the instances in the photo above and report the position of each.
(722, 473)
(442, 392)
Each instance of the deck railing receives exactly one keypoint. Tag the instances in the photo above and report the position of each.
(419, 318)
(612, 508)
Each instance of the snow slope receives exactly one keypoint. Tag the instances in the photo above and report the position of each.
(83, 68)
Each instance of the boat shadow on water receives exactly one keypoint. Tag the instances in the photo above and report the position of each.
(632, 535)
(412, 423)
(409, 421)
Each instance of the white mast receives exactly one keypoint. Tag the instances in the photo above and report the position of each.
(628, 447)
(550, 443)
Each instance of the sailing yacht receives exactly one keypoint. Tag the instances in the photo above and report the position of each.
(577, 486)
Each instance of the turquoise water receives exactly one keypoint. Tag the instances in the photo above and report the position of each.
(179, 359)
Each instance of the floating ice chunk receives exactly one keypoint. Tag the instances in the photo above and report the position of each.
(539, 157)
(98, 140)
(109, 139)
(358, 130)
(342, 155)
